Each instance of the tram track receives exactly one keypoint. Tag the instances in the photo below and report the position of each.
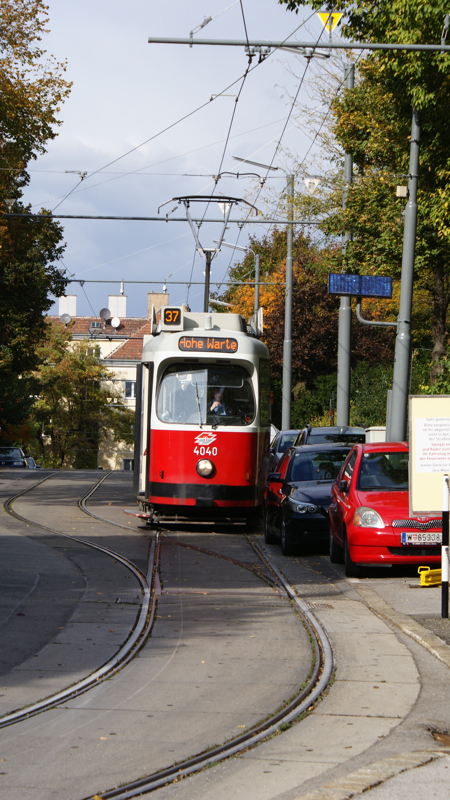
(138, 634)
(322, 657)
(322, 669)
(317, 683)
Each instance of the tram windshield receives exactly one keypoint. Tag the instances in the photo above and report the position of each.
(206, 395)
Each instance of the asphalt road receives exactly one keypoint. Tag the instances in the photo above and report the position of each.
(225, 650)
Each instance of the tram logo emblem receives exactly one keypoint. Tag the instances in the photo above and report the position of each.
(205, 439)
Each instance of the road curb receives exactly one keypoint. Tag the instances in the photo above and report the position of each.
(366, 778)
(436, 646)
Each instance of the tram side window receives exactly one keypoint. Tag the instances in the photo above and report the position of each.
(182, 396)
(210, 395)
(264, 392)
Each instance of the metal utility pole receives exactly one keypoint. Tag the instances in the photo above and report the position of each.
(396, 424)
(256, 282)
(208, 258)
(345, 308)
(287, 344)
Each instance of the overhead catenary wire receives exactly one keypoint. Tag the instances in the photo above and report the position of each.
(245, 24)
(285, 125)
(82, 177)
(341, 84)
(119, 175)
(255, 200)
(87, 298)
(188, 115)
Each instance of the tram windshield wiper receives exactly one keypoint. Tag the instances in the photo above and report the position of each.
(198, 406)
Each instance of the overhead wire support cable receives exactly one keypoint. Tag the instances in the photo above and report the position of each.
(174, 124)
(190, 113)
(269, 167)
(82, 177)
(247, 221)
(298, 46)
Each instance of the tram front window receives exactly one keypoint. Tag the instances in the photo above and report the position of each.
(206, 396)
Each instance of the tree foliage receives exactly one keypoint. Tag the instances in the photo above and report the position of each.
(315, 321)
(373, 123)
(32, 88)
(76, 406)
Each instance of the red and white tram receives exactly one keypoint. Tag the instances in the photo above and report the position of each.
(202, 418)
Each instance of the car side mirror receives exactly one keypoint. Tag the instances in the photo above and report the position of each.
(274, 477)
(343, 486)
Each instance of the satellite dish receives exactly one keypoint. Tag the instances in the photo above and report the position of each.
(105, 314)
(65, 319)
(115, 322)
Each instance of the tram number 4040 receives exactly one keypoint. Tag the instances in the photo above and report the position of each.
(205, 451)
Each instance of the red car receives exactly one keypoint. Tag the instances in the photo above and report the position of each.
(370, 524)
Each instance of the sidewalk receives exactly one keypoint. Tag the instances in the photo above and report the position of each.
(373, 727)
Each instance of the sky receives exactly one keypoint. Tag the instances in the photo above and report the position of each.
(129, 95)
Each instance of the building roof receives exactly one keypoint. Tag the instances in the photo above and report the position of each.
(131, 350)
(80, 326)
(129, 335)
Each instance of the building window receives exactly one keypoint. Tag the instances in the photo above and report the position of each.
(130, 390)
(128, 464)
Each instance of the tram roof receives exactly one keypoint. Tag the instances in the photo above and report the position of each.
(210, 326)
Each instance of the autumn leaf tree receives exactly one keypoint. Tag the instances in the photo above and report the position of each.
(315, 321)
(77, 404)
(373, 123)
(32, 87)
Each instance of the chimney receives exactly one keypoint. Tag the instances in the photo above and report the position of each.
(117, 304)
(68, 305)
(157, 299)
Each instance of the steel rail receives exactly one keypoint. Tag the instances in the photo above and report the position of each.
(83, 500)
(139, 631)
(318, 681)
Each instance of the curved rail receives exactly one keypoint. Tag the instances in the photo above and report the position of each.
(139, 632)
(83, 507)
(317, 683)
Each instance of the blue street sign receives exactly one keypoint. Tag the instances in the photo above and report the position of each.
(360, 285)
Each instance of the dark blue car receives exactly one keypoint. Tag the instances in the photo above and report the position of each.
(297, 496)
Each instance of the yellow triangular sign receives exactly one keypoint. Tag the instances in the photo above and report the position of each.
(325, 19)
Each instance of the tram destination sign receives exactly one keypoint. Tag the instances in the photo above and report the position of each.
(360, 285)
(203, 344)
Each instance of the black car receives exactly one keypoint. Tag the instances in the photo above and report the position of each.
(280, 443)
(336, 434)
(297, 496)
(12, 457)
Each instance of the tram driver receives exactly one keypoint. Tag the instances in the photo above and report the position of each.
(217, 405)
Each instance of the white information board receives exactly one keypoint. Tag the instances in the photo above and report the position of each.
(429, 457)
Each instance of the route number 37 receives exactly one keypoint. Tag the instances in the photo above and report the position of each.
(172, 316)
(205, 451)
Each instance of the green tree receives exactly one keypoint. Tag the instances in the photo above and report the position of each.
(32, 88)
(373, 122)
(76, 406)
(315, 322)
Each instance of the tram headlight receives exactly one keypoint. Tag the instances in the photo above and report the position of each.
(205, 467)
